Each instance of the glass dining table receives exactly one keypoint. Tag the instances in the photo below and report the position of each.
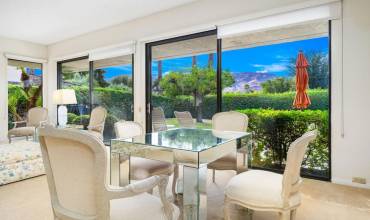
(190, 147)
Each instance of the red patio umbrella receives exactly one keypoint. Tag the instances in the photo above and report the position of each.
(301, 100)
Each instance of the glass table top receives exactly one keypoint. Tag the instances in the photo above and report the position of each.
(189, 139)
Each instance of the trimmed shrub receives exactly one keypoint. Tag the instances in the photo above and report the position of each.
(81, 120)
(70, 118)
(274, 130)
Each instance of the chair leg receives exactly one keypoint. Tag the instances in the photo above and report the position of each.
(10, 139)
(284, 215)
(26, 138)
(250, 213)
(227, 210)
(293, 214)
(213, 175)
(174, 181)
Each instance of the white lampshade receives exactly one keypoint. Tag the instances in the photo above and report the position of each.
(64, 97)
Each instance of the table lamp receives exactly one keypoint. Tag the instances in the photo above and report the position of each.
(63, 97)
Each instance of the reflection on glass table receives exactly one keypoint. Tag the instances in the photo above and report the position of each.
(192, 148)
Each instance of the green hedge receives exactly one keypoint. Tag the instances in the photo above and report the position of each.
(119, 101)
(239, 101)
(274, 130)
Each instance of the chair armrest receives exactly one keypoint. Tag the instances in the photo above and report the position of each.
(18, 122)
(133, 189)
(144, 186)
(90, 127)
(43, 123)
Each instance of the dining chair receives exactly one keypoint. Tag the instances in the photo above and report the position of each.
(36, 117)
(268, 191)
(141, 168)
(76, 170)
(228, 121)
(185, 119)
(97, 122)
(158, 119)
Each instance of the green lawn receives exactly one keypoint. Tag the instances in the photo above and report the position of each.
(205, 124)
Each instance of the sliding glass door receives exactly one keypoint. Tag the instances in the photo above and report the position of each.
(106, 82)
(254, 74)
(181, 74)
(24, 89)
(112, 87)
(74, 74)
(263, 66)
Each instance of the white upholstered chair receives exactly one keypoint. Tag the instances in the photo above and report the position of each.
(76, 166)
(228, 121)
(158, 120)
(141, 168)
(185, 119)
(268, 191)
(36, 117)
(97, 121)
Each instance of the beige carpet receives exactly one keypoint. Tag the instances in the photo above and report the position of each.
(29, 200)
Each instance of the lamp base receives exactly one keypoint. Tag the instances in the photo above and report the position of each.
(62, 116)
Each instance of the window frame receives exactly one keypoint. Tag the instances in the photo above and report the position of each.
(148, 89)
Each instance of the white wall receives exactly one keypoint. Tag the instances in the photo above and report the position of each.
(20, 48)
(350, 153)
(197, 16)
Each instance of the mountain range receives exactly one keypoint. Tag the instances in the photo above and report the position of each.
(253, 79)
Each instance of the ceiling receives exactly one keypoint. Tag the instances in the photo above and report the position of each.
(49, 21)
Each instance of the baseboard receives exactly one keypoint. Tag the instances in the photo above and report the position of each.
(348, 182)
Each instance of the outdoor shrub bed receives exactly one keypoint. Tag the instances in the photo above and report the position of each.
(274, 130)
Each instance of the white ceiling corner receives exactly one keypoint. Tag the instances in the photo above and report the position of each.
(49, 21)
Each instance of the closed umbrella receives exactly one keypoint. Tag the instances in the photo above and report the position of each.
(301, 100)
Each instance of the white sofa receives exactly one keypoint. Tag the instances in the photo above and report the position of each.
(20, 160)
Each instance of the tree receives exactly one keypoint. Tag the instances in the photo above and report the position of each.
(99, 78)
(198, 83)
(318, 69)
(122, 80)
(248, 88)
(278, 85)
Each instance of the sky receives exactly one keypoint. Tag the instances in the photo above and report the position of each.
(14, 73)
(264, 59)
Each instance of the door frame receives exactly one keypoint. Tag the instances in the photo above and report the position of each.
(148, 70)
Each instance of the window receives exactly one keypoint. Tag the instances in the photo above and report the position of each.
(263, 86)
(74, 74)
(183, 77)
(24, 89)
(112, 89)
(256, 76)
(106, 82)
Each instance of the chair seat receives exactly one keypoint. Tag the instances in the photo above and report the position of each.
(22, 131)
(227, 162)
(259, 188)
(140, 207)
(142, 168)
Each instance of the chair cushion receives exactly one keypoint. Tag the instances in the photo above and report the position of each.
(140, 207)
(259, 188)
(227, 162)
(142, 168)
(22, 131)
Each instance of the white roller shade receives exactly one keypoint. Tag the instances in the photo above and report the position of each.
(112, 52)
(329, 11)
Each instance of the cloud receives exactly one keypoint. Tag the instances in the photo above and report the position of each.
(261, 71)
(275, 67)
(126, 67)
